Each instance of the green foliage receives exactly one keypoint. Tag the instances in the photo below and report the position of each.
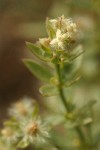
(48, 90)
(35, 50)
(38, 52)
(77, 51)
(22, 144)
(38, 70)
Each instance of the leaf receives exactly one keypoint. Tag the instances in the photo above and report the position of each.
(76, 52)
(23, 143)
(87, 120)
(48, 90)
(89, 104)
(84, 114)
(38, 52)
(38, 70)
(59, 139)
(50, 30)
(70, 83)
(45, 48)
(34, 49)
(55, 119)
(36, 110)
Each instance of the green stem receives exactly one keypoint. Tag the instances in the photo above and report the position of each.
(63, 99)
(90, 136)
(80, 134)
(61, 89)
(65, 103)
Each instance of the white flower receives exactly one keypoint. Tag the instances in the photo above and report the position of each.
(33, 131)
(68, 25)
(54, 23)
(9, 135)
(59, 41)
(66, 31)
(22, 108)
(4, 146)
(63, 24)
(72, 27)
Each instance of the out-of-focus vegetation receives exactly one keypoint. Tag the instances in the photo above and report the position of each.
(24, 20)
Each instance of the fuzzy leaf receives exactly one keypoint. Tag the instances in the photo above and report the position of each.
(48, 90)
(38, 52)
(34, 49)
(38, 70)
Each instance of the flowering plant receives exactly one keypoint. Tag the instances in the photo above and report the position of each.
(58, 65)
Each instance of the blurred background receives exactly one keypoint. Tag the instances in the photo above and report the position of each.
(23, 20)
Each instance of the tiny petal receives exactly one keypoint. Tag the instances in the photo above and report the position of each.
(54, 43)
(58, 32)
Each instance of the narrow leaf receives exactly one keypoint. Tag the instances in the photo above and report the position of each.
(38, 70)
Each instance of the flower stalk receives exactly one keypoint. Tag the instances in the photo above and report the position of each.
(66, 105)
(61, 92)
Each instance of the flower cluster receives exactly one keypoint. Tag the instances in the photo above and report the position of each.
(9, 135)
(25, 126)
(34, 131)
(65, 32)
(58, 47)
(22, 108)
(61, 32)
